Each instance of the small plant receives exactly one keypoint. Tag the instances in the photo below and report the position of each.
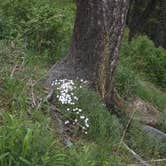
(84, 109)
(66, 97)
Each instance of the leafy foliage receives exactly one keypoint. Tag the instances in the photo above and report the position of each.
(26, 143)
(145, 59)
(125, 82)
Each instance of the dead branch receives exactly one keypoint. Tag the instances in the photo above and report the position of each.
(127, 126)
(32, 93)
(14, 70)
(136, 156)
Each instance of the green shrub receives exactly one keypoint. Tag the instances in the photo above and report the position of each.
(13, 13)
(49, 29)
(125, 82)
(143, 57)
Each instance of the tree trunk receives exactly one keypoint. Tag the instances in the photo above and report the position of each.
(162, 20)
(95, 44)
(148, 17)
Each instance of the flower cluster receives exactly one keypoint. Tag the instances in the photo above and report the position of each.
(66, 96)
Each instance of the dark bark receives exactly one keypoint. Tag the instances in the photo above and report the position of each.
(95, 44)
(140, 11)
(162, 20)
(148, 17)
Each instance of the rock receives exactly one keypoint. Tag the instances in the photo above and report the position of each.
(144, 112)
(155, 133)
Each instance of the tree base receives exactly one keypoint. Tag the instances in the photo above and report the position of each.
(66, 69)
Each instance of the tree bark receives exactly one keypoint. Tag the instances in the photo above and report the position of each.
(94, 50)
(148, 17)
(162, 20)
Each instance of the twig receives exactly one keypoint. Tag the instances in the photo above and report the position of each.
(136, 156)
(150, 161)
(13, 70)
(157, 160)
(124, 132)
(32, 94)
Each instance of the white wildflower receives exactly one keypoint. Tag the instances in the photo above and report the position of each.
(87, 125)
(67, 122)
(79, 110)
(75, 98)
(85, 82)
(82, 117)
(74, 110)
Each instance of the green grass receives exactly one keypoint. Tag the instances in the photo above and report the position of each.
(148, 92)
(28, 142)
